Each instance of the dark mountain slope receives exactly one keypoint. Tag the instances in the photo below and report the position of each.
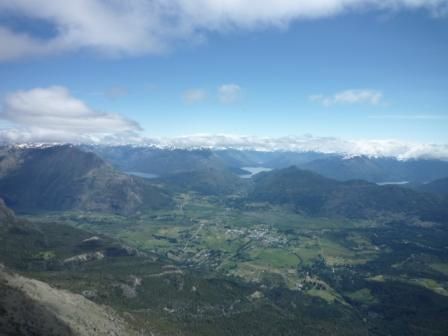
(317, 195)
(273, 159)
(165, 162)
(439, 186)
(7, 216)
(31, 307)
(208, 182)
(42, 246)
(66, 178)
(378, 169)
(162, 162)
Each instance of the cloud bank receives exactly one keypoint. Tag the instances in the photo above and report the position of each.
(364, 96)
(330, 145)
(55, 115)
(135, 27)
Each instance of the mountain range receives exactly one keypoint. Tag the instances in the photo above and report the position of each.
(200, 250)
(439, 186)
(164, 162)
(67, 178)
(314, 194)
(72, 178)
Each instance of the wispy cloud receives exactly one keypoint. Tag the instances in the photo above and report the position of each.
(229, 93)
(358, 96)
(54, 113)
(192, 96)
(135, 27)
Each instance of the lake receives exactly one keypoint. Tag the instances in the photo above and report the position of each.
(144, 175)
(253, 171)
(392, 183)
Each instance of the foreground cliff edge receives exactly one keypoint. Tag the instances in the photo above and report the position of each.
(32, 307)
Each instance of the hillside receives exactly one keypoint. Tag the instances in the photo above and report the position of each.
(164, 162)
(7, 216)
(269, 159)
(161, 162)
(31, 307)
(378, 169)
(66, 178)
(439, 186)
(311, 193)
(207, 182)
(34, 308)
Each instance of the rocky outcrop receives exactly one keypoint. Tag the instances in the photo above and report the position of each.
(31, 307)
(83, 258)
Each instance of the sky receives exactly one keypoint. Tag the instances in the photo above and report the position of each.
(91, 70)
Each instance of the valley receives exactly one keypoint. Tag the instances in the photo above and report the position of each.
(223, 168)
(206, 251)
(341, 263)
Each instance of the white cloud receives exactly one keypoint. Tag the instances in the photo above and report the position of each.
(192, 96)
(364, 96)
(16, 45)
(229, 93)
(373, 148)
(331, 145)
(53, 113)
(135, 27)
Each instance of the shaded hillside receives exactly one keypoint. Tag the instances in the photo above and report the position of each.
(273, 159)
(162, 162)
(32, 307)
(66, 178)
(208, 182)
(439, 186)
(317, 195)
(50, 245)
(378, 169)
(7, 216)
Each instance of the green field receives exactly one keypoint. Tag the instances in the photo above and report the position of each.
(341, 263)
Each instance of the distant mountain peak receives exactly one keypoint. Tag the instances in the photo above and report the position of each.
(371, 148)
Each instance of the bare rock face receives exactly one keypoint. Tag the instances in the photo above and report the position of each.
(31, 307)
(91, 243)
(83, 258)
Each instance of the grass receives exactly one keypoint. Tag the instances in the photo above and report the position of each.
(326, 295)
(276, 258)
(440, 267)
(437, 287)
(432, 285)
(377, 278)
(363, 296)
(45, 255)
(231, 253)
(288, 242)
(335, 254)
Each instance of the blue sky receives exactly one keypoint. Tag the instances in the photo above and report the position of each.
(363, 74)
